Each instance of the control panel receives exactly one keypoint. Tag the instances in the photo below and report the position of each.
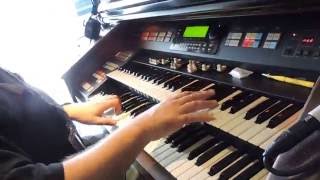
(265, 40)
(198, 38)
(302, 44)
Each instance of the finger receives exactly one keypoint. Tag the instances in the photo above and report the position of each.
(200, 116)
(104, 121)
(200, 95)
(113, 96)
(182, 94)
(198, 105)
(113, 102)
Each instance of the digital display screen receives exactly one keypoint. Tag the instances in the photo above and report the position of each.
(195, 31)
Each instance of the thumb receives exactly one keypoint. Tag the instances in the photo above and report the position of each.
(104, 121)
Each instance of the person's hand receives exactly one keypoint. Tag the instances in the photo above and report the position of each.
(173, 113)
(91, 112)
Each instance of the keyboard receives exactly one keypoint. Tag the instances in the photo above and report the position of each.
(229, 147)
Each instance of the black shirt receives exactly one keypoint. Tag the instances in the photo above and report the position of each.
(34, 133)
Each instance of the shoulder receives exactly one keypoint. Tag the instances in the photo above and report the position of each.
(9, 77)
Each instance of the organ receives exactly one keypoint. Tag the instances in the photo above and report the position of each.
(160, 48)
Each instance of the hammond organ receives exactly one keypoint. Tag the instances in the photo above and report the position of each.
(167, 47)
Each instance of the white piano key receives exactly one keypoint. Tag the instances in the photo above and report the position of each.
(183, 167)
(240, 119)
(154, 145)
(217, 109)
(165, 162)
(264, 177)
(267, 133)
(177, 163)
(249, 129)
(294, 119)
(245, 168)
(203, 174)
(225, 117)
(196, 169)
(216, 176)
(182, 159)
(160, 150)
(165, 154)
(260, 174)
(243, 127)
(265, 144)
(254, 130)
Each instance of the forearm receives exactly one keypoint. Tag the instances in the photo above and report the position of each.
(110, 158)
(71, 110)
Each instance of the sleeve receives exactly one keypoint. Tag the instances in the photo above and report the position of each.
(14, 164)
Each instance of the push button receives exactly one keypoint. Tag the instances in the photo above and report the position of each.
(306, 53)
(288, 52)
(316, 54)
(299, 52)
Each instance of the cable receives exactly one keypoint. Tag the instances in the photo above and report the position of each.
(95, 4)
(268, 162)
(290, 138)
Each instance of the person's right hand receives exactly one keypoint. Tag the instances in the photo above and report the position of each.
(173, 113)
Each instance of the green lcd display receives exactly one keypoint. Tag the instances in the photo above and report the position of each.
(195, 31)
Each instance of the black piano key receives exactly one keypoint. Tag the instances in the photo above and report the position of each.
(129, 103)
(265, 115)
(202, 148)
(180, 131)
(126, 96)
(185, 135)
(151, 77)
(211, 153)
(160, 77)
(197, 86)
(168, 83)
(174, 135)
(142, 108)
(244, 102)
(130, 107)
(236, 167)
(192, 140)
(283, 115)
(166, 78)
(143, 100)
(250, 171)
(130, 98)
(233, 100)
(223, 163)
(180, 84)
(259, 108)
(222, 91)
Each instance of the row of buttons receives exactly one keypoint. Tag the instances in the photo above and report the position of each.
(157, 36)
(252, 40)
(301, 53)
(232, 42)
(194, 47)
(273, 36)
(270, 45)
(233, 39)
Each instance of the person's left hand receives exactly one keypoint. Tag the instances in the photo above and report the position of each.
(91, 112)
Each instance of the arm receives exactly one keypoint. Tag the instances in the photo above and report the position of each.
(110, 158)
(90, 112)
(15, 164)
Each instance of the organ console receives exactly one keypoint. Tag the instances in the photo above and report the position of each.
(160, 48)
